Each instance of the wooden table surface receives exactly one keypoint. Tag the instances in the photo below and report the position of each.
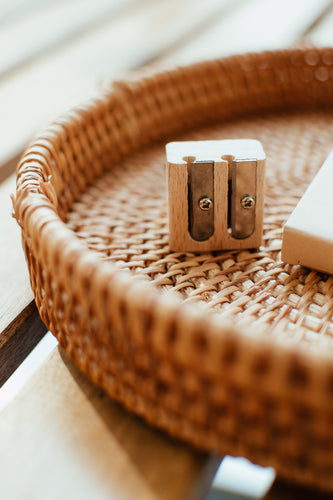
(61, 437)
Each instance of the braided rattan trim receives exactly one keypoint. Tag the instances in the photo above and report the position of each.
(202, 371)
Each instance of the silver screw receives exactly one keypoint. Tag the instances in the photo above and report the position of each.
(247, 201)
(205, 203)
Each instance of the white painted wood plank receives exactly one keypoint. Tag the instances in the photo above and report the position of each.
(322, 35)
(39, 31)
(64, 438)
(32, 97)
(24, 372)
(258, 25)
(11, 10)
(16, 292)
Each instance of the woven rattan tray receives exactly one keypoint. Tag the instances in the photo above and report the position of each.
(230, 351)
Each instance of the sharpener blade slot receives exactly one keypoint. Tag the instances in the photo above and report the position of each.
(201, 199)
(243, 198)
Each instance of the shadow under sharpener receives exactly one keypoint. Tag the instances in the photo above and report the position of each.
(215, 194)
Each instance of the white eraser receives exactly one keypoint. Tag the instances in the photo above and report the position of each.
(308, 234)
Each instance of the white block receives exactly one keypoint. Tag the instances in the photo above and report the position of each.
(308, 233)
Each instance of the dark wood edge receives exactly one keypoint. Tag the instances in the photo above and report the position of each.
(19, 339)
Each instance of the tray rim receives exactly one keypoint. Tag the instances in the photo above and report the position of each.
(44, 232)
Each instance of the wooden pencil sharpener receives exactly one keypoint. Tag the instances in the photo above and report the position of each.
(215, 194)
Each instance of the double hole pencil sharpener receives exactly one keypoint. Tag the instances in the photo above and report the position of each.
(215, 194)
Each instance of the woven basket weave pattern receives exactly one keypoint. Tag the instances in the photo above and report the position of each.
(229, 351)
